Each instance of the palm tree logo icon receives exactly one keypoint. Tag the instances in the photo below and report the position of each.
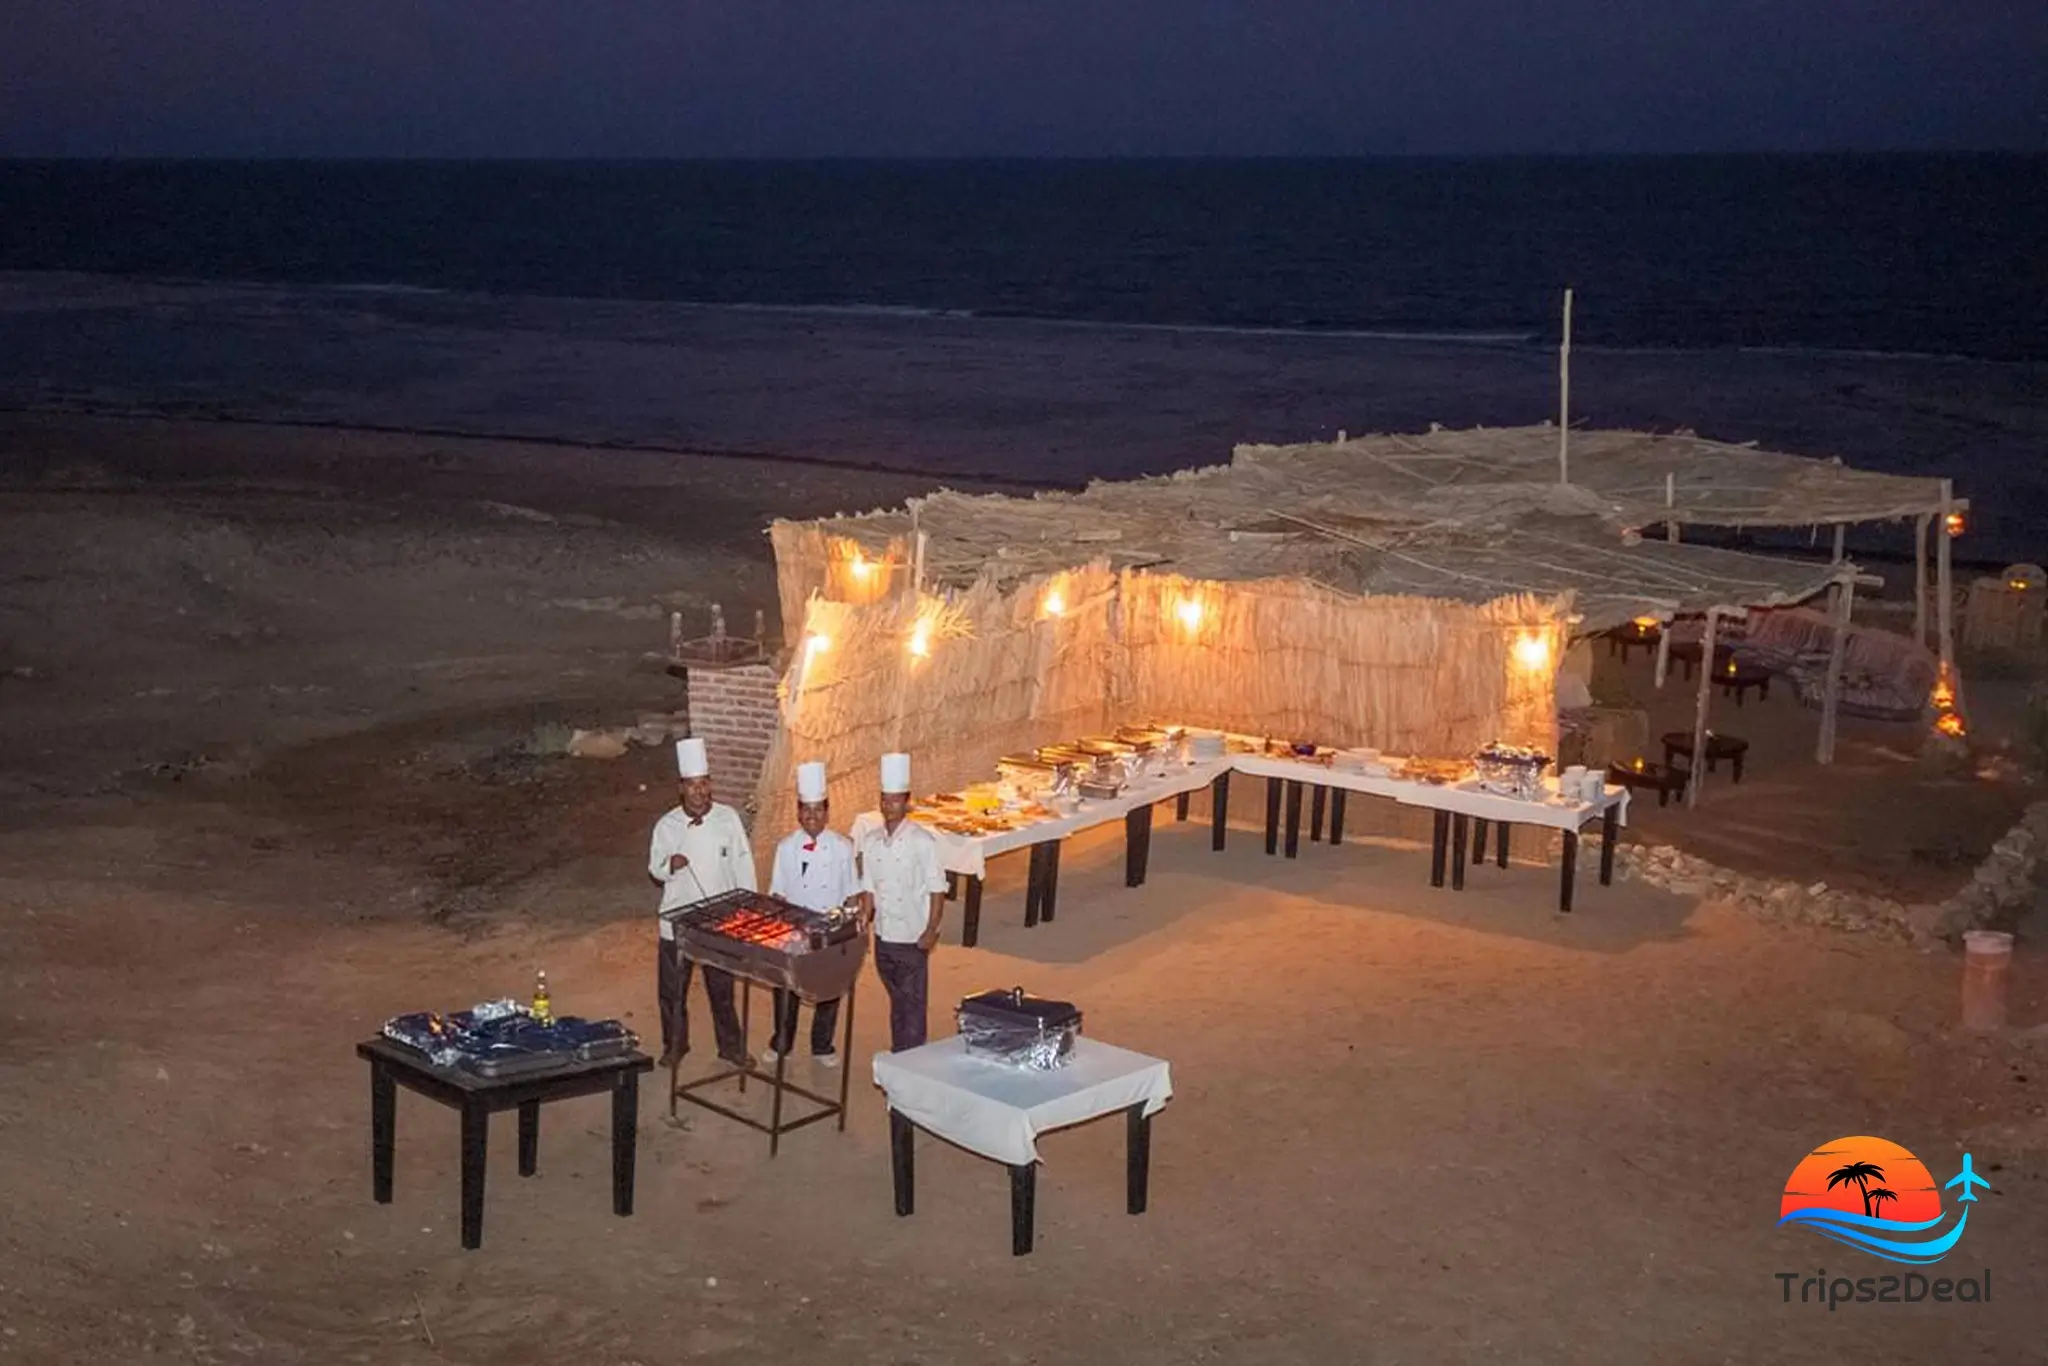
(1877, 1197)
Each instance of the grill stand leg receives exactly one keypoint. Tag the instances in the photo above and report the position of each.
(903, 1163)
(1023, 1207)
(846, 1047)
(775, 1105)
(1219, 810)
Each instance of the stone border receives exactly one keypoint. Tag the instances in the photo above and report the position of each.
(2001, 884)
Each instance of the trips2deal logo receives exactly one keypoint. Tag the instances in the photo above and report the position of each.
(1874, 1196)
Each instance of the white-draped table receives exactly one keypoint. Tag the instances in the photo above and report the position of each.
(1464, 814)
(999, 1111)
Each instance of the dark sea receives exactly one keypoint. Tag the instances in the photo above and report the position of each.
(1927, 255)
(1044, 323)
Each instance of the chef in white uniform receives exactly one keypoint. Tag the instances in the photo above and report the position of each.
(699, 850)
(814, 869)
(906, 891)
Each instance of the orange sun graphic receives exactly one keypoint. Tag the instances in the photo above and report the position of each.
(1863, 1175)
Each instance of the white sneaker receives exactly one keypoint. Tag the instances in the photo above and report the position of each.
(825, 1059)
(770, 1055)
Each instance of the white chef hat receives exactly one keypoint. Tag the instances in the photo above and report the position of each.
(895, 773)
(691, 761)
(810, 782)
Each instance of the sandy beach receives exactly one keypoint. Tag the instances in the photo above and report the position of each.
(271, 696)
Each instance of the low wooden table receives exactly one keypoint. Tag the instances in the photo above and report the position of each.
(1736, 679)
(478, 1098)
(1665, 781)
(1626, 640)
(1686, 654)
(1730, 747)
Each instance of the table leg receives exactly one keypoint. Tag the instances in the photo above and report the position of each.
(1049, 904)
(902, 1161)
(1317, 802)
(1460, 827)
(1273, 786)
(1478, 840)
(1023, 1206)
(476, 1134)
(1180, 806)
(529, 1137)
(846, 1022)
(1219, 810)
(1608, 821)
(1293, 818)
(1569, 872)
(1137, 844)
(970, 925)
(625, 1139)
(1735, 764)
(1034, 885)
(1500, 839)
(1137, 1158)
(1337, 795)
(1439, 845)
(383, 1129)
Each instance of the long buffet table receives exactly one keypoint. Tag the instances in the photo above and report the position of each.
(1464, 813)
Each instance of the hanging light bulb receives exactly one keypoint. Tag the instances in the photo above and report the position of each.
(1055, 604)
(1532, 652)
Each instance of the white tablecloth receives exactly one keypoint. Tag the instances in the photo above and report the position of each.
(1466, 798)
(999, 1111)
(969, 854)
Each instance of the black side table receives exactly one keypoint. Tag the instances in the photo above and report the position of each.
(478, 1098)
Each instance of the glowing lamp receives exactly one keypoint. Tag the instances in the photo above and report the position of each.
(1637, 764)
(1950, 723)
(921, 640)
(1954, 524)
(1054, 605)
(1644, 623)
(2016, 585)
(1532, 653)
(1189, 611)
(859, 567)
(815, 645)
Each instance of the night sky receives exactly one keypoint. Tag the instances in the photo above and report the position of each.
(681, 78)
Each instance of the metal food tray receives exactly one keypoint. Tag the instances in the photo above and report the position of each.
(515, 1063)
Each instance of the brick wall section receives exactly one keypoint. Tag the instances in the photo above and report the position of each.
(734, 712)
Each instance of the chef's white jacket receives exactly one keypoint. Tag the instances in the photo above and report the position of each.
(720, 858)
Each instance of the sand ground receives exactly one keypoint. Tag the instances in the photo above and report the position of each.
(266, 697)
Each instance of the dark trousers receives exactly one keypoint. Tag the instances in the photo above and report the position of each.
(672, 991)
(905, 970)
(824, 1023)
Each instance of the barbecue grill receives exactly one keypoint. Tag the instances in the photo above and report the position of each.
(761, 938)
(764, 939)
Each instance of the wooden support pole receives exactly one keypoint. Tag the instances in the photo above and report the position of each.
(1697, 778)
(1663, 654)
(1841, 536)
(1944, 592)
(1564, 397)
(1920, 578)
(1671, 532)
(1831, 696)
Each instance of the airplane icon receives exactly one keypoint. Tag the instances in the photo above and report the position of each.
(1966, 1178)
